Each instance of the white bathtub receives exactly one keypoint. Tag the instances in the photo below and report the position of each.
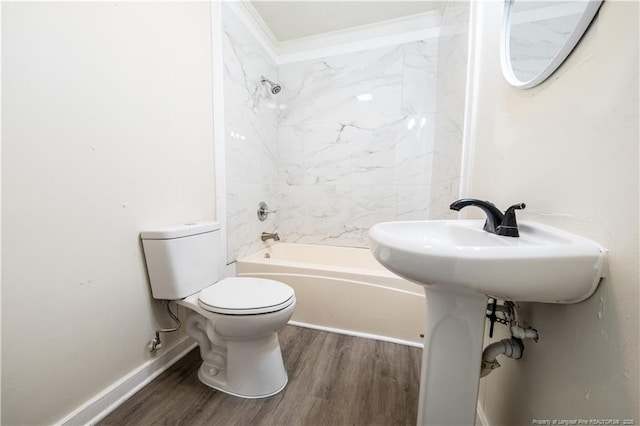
(344, 290)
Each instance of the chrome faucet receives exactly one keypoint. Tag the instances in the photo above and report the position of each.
(496, 223)
(267, 236)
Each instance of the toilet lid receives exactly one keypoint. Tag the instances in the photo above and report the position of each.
(246, 296)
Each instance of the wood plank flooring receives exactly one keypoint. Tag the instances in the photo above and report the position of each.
(333, 380)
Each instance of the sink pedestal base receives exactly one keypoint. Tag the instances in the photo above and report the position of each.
(451, 357)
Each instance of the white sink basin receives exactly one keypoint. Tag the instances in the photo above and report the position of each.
(544, 264)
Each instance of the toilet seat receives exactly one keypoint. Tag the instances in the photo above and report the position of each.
(246, 296)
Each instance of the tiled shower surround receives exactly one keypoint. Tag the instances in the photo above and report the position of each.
(355, 142)
(349, 142)
(251, 137)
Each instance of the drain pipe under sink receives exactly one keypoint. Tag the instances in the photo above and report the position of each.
(511, 348)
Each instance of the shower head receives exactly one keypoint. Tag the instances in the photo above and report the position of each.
(275, 88)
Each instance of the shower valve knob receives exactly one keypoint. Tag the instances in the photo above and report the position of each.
(263, 211)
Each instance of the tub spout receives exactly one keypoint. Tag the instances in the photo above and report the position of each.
(267, 236)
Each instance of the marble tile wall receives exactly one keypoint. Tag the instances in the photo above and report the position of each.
(355, 142)
(450, 99)
(251, 137)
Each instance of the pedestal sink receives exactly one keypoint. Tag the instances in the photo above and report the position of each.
(460, 265)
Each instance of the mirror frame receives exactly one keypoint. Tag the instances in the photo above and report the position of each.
(585, 19)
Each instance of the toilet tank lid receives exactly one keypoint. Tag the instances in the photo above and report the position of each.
(178, 231)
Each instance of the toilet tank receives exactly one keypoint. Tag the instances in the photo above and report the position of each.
(182, 259)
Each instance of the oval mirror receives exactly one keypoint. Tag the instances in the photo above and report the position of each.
(537, 36)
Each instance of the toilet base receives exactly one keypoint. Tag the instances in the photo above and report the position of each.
(254, 369)
(241, 354)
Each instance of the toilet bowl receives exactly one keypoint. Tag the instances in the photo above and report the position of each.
(240, 350)
(234, 320)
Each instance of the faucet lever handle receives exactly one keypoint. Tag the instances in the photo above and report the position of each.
(519, 206)
(509, 225)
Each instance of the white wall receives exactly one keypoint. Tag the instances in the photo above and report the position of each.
(106, 129)
(569, 149)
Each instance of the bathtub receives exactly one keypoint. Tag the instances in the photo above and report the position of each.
(343, 290)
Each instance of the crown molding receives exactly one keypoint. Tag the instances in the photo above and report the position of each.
(327, 47)
(386, 33)
(255, 25)
(393, 31)
(259, 22)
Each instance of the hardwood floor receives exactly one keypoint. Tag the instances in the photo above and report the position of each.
(333, 380)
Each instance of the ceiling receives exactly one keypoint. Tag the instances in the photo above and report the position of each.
(290, 20)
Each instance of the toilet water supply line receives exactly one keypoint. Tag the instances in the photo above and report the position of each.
(156, 343)
(512, 347)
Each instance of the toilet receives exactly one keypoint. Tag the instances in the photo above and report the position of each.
(234, 320)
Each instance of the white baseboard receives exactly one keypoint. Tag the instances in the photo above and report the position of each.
(357, 334)
(109, 399)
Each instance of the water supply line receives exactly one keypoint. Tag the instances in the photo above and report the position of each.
(524, 333)
(156, 343)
